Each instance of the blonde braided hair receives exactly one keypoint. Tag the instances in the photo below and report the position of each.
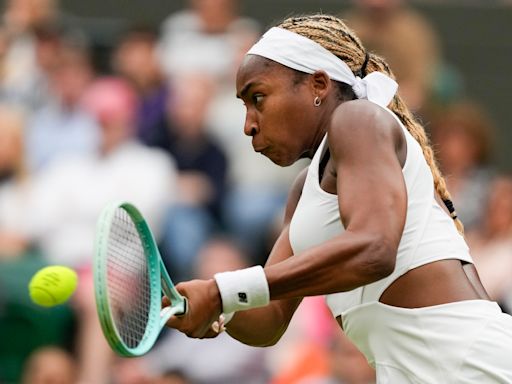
(334, 35)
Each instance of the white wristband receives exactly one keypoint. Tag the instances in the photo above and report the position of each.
(243, 289)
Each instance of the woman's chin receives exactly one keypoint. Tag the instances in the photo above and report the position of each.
(282, 162)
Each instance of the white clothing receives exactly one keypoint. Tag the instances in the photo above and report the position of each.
(462, 342)
(185, 47)
(305, 55)
(466, 342)
(71, 193)
(56, 131)
(15, 202)
(429, 233)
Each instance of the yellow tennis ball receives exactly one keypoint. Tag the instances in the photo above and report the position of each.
(52, 285)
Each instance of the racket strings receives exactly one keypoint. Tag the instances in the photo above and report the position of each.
(128, 279)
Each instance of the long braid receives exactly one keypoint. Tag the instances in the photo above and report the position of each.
(334, 35)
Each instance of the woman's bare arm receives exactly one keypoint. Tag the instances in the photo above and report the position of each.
(372, 198)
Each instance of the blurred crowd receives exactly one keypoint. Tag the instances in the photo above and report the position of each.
(160, 126)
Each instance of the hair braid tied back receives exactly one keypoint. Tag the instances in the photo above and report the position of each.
(334, 35)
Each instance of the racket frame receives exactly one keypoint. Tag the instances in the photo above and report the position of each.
(158, 277)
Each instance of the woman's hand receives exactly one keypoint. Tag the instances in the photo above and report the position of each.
(204, 308)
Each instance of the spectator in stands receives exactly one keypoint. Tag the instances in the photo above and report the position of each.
(202, 169)
(491, 244)
(62, 126)
(21, 18)
(23, 325)
(73, 190)
(462, 133)
(50, 365)
(29, 27)
(406, 39)
(15, 185)
(204, 38)
(135, 58)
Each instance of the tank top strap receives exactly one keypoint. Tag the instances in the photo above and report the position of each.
(317, 158)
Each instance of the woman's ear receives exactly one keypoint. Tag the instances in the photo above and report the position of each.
(320, 84)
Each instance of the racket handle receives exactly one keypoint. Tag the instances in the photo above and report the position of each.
(174, 310)
(177, 300)
(183, 307)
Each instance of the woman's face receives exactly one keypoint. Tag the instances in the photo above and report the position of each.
(280, 117)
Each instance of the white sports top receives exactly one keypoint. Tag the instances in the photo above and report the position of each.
(429, 232)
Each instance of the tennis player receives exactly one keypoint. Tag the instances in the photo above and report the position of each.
(369, 224)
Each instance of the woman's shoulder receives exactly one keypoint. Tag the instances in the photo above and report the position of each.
(362, 118)
(363, 111)
(359, 127)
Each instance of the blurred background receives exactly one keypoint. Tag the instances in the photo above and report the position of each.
(105, 100)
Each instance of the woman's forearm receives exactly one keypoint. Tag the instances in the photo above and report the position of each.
(341, 264)
(262, 327)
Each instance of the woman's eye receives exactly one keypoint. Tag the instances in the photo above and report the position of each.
(257, 98)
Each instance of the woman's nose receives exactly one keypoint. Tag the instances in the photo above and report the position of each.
(251, 131)
(250, 127)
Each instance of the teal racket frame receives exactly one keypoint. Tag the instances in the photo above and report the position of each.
(159, 281)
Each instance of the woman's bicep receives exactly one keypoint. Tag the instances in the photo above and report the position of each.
(370, 185)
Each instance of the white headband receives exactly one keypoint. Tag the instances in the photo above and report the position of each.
(298, 52)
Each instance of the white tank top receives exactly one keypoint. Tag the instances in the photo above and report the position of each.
(429, 232)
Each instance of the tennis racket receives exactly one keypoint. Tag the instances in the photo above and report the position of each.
(129, 278)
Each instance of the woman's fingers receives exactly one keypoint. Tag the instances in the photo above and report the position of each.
(165, 301)
(203, 309)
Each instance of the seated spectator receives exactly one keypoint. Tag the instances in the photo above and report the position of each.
(491, 243)
(50, 365)
(204, 38)
(73, 191)
(24, 326)
(463, 137)
(76, 187)
(135, 58)
(202, 167)
(31, 31)
(62, 126)
(15, 184)
(22, 78)
(406, 39)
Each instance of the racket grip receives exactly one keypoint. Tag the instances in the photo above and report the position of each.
(174, 310)
(184, 310)
(177, 301)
